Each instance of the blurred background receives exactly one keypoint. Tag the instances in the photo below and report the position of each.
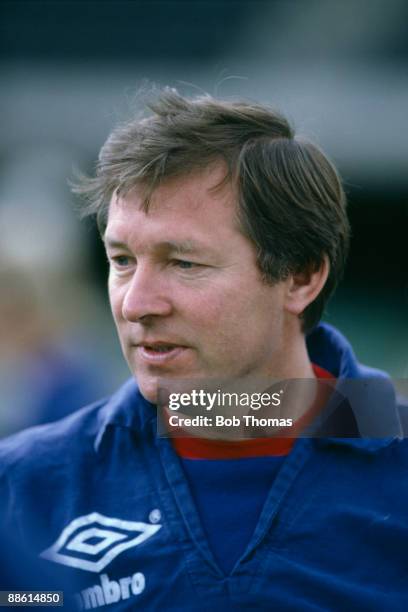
(71, 70)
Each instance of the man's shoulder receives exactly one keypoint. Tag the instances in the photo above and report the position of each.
(44, 444)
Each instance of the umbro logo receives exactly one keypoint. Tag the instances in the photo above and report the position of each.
(92, 541)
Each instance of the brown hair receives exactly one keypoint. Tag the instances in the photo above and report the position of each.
(291, 202)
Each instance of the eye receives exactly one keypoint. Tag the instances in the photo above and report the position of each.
(184, 264)
(121, 261)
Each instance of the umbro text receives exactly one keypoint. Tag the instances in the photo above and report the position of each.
(110, 591)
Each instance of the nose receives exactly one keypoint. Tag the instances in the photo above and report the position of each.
(146, 296)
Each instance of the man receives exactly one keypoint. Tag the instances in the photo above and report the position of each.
(225, 237)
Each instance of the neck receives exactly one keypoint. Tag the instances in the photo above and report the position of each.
(294, 361)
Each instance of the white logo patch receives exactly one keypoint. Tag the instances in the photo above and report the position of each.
(92, 541)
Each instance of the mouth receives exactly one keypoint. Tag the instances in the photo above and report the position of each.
(159, 352)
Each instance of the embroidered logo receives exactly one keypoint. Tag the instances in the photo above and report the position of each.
(92, 541)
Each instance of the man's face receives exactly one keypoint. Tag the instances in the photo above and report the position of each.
(186, 293)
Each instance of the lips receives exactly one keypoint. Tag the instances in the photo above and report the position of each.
(159, 352)
(158, 349)
(158, 345)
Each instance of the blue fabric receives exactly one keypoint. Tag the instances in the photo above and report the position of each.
(230, 514)
(331, 535)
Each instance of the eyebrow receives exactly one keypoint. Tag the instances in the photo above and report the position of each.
(168, 246)
(181, 248)
(111, 242)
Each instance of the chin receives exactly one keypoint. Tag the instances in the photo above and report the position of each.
(149, 390)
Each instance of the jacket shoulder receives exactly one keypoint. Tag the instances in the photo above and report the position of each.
(43, 444)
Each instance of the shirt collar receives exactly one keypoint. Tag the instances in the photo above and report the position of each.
(368, 392)
(373, 397)
(126, 408)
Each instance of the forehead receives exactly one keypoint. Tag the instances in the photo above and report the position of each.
(192, 206)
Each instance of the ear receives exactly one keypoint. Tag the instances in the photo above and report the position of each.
(304, 287)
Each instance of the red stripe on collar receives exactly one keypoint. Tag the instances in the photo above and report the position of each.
(203, 448)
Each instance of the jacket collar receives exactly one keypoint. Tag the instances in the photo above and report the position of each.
(126, 408)
(370, 394)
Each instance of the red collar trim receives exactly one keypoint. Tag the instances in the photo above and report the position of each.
(202, 448)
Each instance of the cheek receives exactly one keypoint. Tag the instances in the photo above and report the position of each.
(218, 320)
(116, 300)
(250, 316)
(206, 309)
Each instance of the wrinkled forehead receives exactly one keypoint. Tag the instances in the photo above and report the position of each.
(190, 193)
(193, 206)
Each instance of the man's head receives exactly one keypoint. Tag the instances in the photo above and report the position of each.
(268, 210)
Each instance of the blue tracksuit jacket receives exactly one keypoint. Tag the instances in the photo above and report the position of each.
(104, 502)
